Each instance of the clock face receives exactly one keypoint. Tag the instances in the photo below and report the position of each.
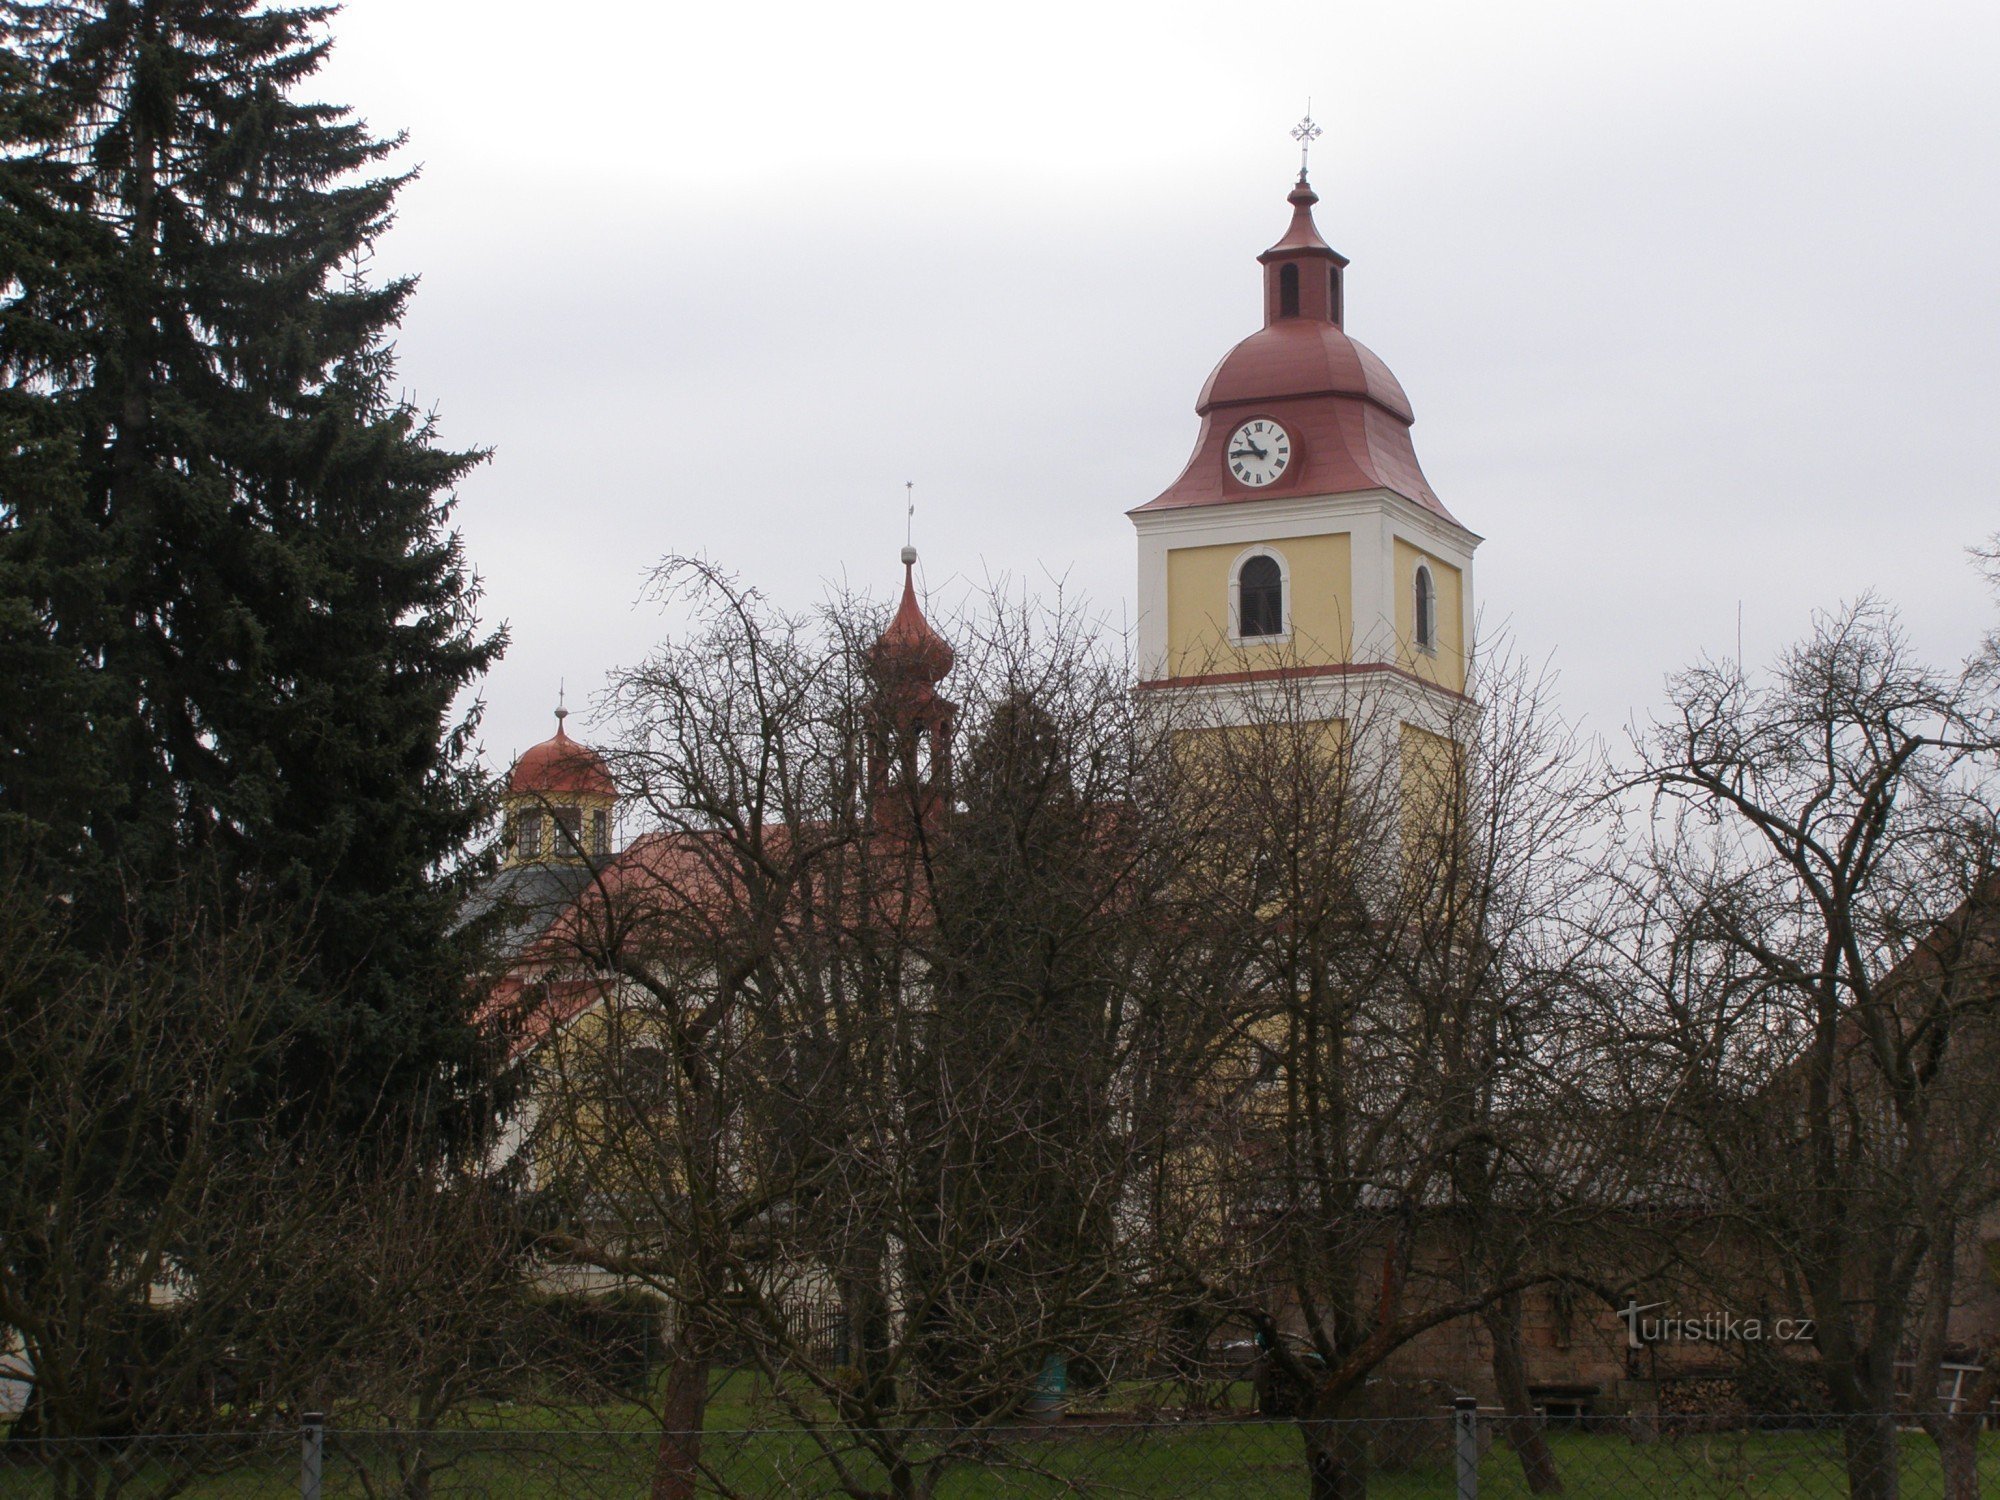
(1258, 452)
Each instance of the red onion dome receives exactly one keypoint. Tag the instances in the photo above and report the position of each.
(560, 766)
(1303, 358)
(909, 648)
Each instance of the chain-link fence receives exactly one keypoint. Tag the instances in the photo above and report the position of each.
(1453, 1456)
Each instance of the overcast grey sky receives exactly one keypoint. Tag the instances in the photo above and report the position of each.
(1696, 303)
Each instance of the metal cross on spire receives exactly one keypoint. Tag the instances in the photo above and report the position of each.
(910, 519)
(1305, 133)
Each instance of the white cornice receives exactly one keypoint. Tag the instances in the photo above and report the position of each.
(1373, 689)
(1234, 520)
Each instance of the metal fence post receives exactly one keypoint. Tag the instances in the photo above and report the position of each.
(1465, 1428)
(312, 1453)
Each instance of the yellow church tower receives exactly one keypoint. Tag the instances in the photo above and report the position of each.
(1302, 541)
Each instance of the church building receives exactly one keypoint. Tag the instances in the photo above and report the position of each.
(1300, 543)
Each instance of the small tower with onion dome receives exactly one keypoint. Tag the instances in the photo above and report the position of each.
(909, 721)
(558, 803)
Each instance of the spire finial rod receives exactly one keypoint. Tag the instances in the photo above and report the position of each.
(562, 693)
(1305, 133)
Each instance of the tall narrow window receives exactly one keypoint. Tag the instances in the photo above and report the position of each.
(646, 1084)
(528, 836)
(568, 831)
(1426, 609)
(1288, 291)
(1260, 598)
(600, 832)
(1333, 309)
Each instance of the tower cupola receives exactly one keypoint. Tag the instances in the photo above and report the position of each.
(1302, 271)
(910, 722)
(558, 802)
(1343, 418)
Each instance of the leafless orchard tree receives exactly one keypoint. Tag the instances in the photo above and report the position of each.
(421, 1315)
(741, 746)
(1816, 960)
(172, 1259)
(180, 1253)
(145, 1235)
(880, 1022)
(1401, 919)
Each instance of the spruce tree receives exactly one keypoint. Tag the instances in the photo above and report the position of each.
(234, 617)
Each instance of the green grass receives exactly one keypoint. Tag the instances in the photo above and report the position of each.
(1244, 1459)
(1233, 1460)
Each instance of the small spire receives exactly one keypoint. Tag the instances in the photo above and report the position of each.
(562, 693)
(910, 646)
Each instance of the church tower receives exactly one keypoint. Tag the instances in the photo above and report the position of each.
(1302, 541)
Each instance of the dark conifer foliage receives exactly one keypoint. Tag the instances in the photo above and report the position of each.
(234, 618)
(1033, 902)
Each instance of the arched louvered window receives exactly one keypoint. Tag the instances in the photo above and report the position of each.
(1288, 291)
(1426, 609)
(1260, 597)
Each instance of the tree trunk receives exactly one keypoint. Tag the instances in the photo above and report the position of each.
(906, 1481)
(1522, 1432)
(1870, 1446)
(677, 1467)
(1957, 1439)
(1336, 1448)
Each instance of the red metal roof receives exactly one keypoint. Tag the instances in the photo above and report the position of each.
(909, 648)
(1302, 234)
(1302, 357)
(561, 765)
(1347, 415)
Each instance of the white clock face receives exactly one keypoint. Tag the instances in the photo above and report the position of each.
(1258, 452)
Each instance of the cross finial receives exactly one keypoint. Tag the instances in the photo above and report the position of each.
(1305, 133)
(562, 692)
(910, 518)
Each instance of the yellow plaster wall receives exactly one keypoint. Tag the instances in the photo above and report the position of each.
(1321, 598)
(1433, 793)
(513, 804)
(1218, 754)
(587, 1137)
(1445, 666)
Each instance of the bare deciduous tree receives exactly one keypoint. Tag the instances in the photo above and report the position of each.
(1400, 907)
(145, 1231)
(1818, 963)
(182, 1253)
(879, 1022)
